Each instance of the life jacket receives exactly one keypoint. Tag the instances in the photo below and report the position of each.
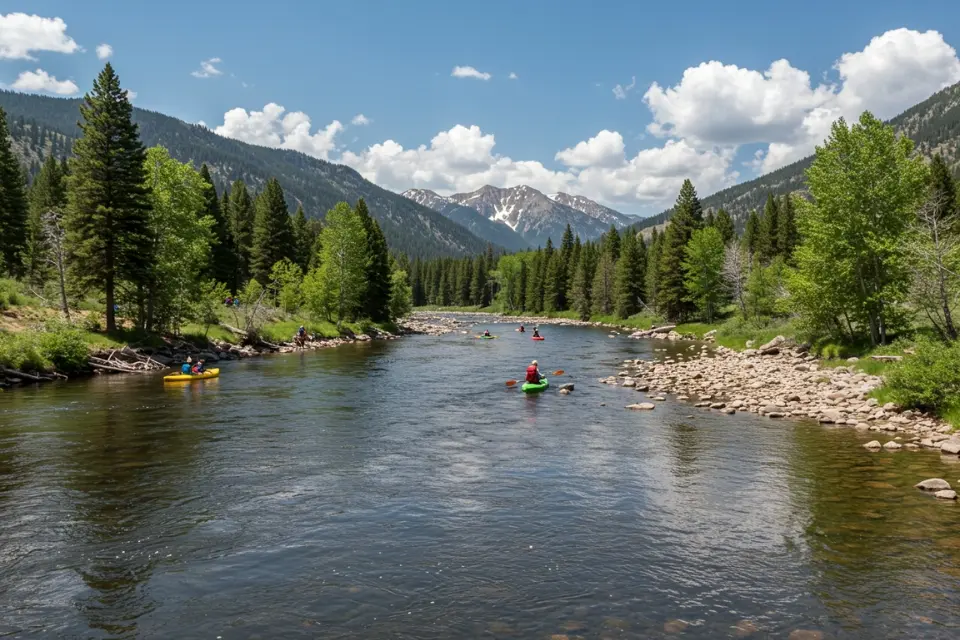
(532, 374)
(185, 368)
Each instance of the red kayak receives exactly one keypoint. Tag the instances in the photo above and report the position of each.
(537, 338)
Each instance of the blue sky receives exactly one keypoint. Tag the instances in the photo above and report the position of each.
(392, 62)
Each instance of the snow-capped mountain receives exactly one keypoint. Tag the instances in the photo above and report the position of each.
(593, 209)
(486, 229)
(532, 214)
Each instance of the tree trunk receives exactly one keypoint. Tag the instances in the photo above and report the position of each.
(108, 290)
(64, 307)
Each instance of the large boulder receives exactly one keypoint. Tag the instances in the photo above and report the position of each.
(773, 346)
(951, 446)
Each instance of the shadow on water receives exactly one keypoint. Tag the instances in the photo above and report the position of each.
(400, 490)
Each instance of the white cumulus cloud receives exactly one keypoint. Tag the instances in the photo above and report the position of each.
(41, 81)
(603, 150)
(131, 95)
(275, 127)
(717, 104)
(104, 51)
(360, 120)
(470, 72)
(208, 69)
(21, 34)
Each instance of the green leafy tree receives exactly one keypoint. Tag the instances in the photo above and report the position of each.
(534, 295)
(724, 224)
(109, 205)
(401, 295)
(580, 287)
(273, 238)
(286, 280)
(866, 186)
(207, 303)
(13, 206)
(343, 264)
(764, 286)
(221, 267)
(180, 237)
(703, 267)
(303, 239)
(687, 217)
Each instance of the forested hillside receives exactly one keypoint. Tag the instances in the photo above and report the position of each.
(316, 184)
(934, 125)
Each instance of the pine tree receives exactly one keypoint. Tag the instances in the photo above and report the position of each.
(13, 206)
(724, 224)
(687, 218)
(241, 230)
(580, 287)
(944, 188)
(108, 205)
(522, 285)
(710, 220)
(611, 243)
(272, 232)
(751, 235)
(628, 279)
(769, 235)
(48, 193)
(534, 294)
(602, 292)
(652, 280)
(416, 283)
(302, 238)
(478, 282)
(222, 265)
(377, 306)
(552, 284)
(787, 234)
(565, 267)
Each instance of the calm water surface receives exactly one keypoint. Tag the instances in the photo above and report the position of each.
(399, 490)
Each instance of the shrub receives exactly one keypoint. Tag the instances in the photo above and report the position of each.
(22, 351)
(64, 346)
(930, 379)
(10, 295)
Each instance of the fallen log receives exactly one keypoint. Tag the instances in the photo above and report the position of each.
(28, 376)
(107, 367)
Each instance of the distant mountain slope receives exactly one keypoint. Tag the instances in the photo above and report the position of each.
(480, 226)
(593, 209)
(530, 213)
(934, 125)
(317, 184)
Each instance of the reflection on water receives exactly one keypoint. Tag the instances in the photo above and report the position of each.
(400, 490)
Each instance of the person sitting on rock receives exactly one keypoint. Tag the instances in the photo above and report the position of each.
(533, 373)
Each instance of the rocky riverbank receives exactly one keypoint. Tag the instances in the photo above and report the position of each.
(781, 381)
(130, 359)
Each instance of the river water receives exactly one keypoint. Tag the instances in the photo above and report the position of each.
(400, 490)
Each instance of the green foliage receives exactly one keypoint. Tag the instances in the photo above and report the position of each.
(629, 275)
(286, 280)
(401, 295)
(930, 379)
(59, 346)
(273, 238)
(10, 294)
(376, 301)
(764, 289)
(222, 265)
(48, 193)
(240, 214)
(601, 292)
(343, 264)
(724, 224)
(703, 269)
(108, 208)
(850, 276)
(13, 206)
(672, 297)
(207, 303)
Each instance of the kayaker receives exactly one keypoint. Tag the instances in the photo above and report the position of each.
(187, 366)
(536, 332)
(486, 333)
(522, 330)
(533, 373)
(198, 368)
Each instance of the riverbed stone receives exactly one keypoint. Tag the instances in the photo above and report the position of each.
(946, 494)
(642, 406)
(933, 484)
(893, 445)
(566, 386)
(873, 445)
(951, 446)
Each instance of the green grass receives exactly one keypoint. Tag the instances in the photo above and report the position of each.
(735, 332)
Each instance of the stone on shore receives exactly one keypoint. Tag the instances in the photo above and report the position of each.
(951, 446)
(873, 445)
(893, 445)
(933, 484)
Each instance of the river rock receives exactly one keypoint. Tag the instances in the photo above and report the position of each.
(831, 416)
(933, 484)
(564, 392)
(629, 382)
(946, 494)
(566, 386)
(893, 445)
(873, 445)
(951, 446)
(642, 406)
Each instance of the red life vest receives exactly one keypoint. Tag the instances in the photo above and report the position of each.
(533, 375)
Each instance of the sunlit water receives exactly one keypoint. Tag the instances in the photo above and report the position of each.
(400, 490)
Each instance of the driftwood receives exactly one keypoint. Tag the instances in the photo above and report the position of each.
(27, 376)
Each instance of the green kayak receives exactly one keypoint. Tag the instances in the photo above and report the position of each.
(487, 337)
(529, 387)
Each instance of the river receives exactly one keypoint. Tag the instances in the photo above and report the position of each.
(400, 490)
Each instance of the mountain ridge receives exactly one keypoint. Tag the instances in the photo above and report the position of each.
(481, 226)
(316, 184)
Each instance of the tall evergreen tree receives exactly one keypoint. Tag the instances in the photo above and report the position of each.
(272, 232)
(787, 234)
(13, 206)
(943, 187)
(602, 291)
(628, 278)
(303, 238)
(464, 275)
(478, 282)
(222, 265)
(553, 293)
(580, 287)
(611, 243)
(652, 280)
(48, 193)
(564, 268)
(377, 306)
(241, 215)
(108, 204)
(724, 224)
(687, 218)
(751, 235)
(534, 294)
(710, 220)
(769, 234)
(522, 285)
(416, 283)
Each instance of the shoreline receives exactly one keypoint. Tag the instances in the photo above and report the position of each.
(127, 359)
(778, 381)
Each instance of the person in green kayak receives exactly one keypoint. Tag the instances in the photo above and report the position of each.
(486, 333)
(187, 366)
(533, 373)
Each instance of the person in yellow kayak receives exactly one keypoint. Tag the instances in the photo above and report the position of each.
(198, 368)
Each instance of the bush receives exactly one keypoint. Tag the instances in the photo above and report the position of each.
(10, 295)
(65, 347)
(930, 379)
(21, 351)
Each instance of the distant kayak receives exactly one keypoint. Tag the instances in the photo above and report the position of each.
(529, 387)
(487, 337)
(187, 377)
(537, 338)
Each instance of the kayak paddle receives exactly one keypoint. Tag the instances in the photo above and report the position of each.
(558, 372)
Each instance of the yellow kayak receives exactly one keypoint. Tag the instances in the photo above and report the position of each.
(183, 377)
